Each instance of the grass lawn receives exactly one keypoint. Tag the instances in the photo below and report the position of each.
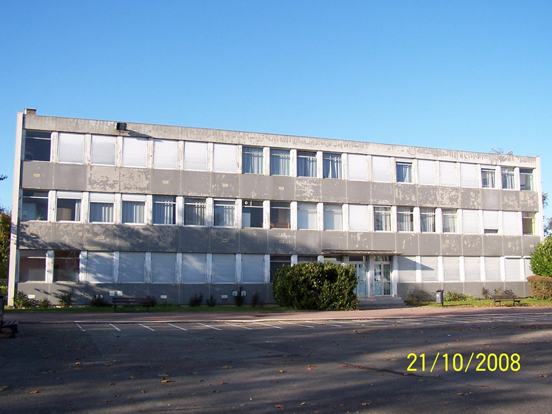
(484, 303)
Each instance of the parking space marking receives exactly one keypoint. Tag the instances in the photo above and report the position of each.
(239, 326)
(114, 327)
(325, 324)
(271, 326)
(81, 328)
(147, 327)
(177, 327)
(297, 324)
(209, 326)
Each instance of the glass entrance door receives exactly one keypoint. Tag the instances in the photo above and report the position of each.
(382, 279)
(361, 289)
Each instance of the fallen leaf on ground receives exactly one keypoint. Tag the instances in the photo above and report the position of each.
(165, 380)
(279, 406)
(34, 392)
(281, 371)
(543, 375)
(366, 404)
(462, 393)
(223, 383)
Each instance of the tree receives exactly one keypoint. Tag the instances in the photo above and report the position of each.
(5, 228)
(541, 258)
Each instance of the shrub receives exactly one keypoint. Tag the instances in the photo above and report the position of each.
(541, 258)
(486, 293)
(196, 300)
(65, 299)
(541, 286)
(98, 301)
(457, 297)
(316, 286)
(211, 302)
(22, 301)
(239, 299)
(44, 304)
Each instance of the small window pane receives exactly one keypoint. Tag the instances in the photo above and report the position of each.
(276, 262)
(382, 218)
(165, 154)
(404, 172)
(279, 162)
(195, 156)
(135, 151)
(34, 205)
(133, 212)
(490, 222)
(427, 220)
(357, 168)
(224, 213)
(194, 211)
(103, 150)
(332, 165)
(68, 209)
(225, 158)
(37, 145)
(526, 179)
(101, 212)
(449, 221)
(71, 148)
(252, 214)
(164, 210)
(306, 164)
(488, 178)
(252, 160)
(508, 178)
(66, 266)
(280, 215)
(528, 223)
(307, 218)
(405, 219)
(333, 217)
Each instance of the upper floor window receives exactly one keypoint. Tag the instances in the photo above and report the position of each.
(307, 218)
(332, 165)
(306, 164)
(280, 215)
(252, 213)
(528, 223)
(224, 158)
(37, 145)
(381, 169)
(526, 179)
(164, 210)
(404, 172)
(426, 172)
(194, 211)
(488, 177)
(101, 208)
(508, 178)
(427, 220)
(134, 209)
(68, 206)
(358, 217)
(333, 217)
(195, 156)
(447, 174)
(469, 175)
(382, 218)
(490, 222)
(135, 152)
(252, 160)
(165, 154)
(449, 221)
(405, 219)
(224, 213)
(357, 167)
(279, 162)
(102, 150)
(71, 148)
(34, 205)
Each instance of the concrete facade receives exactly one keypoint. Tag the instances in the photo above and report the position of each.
(105, 208)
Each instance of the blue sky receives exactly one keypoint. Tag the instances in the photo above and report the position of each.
(466, 75)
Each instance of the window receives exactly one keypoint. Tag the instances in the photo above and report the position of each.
(382, 218)
(135, 152)
(449, 221)
(528, 223)
(357, 167)
(404, 172)
(447, 174)
(194, 211)
(66, 266)
(224, 158)
(224, 213)
(34, 205)
(164, 210)
(307, 218)
(32, 266)
(195, 156)
(468, 175)
(163, 267)
(526, 179)
(99, 267)
(276, 262)
(253, 268)
(132, 267)
(426, 172)
(280, 215)
(252, 160)
(471, 224)
(101, 208)
(68, 206)
(490, 222)
(37, 145)
(224, 268)
(306, 164)
(194, 268)
(279, 162)
(508, 178)
(488, 177)
(103, 150)
(165, 154)
(70, 148)
(307, 259)
(427, 220)
(252, 213)
(134, 209)
(332, 165)
(358, 218)
(381, 169)
(333, 217)
(511, 225)
(405, 219)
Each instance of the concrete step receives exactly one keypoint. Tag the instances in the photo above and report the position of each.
(381, 302)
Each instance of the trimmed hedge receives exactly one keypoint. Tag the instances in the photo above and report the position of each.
(541, 258)
(541, 286)
(316, 286)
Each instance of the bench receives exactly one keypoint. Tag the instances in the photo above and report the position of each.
(130, 301)
(500, 298)
(11, 325)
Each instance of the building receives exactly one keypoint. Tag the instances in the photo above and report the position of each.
(110, 208)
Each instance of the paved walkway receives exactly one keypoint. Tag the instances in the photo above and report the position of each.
(408, 312)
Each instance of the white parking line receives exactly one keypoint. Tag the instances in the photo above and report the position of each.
(271, 326)
(208, 326)
(177, 327)
(238, 326)
(113, 326)
(326, 324)
(81, 328)
(147, 327)
(297, 324)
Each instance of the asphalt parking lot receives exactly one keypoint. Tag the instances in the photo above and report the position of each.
(454, 362)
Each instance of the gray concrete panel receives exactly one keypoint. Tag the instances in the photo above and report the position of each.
(529, 243)
(407, 244)
(194, 239)
(281, 188)
(195, 183)
(430, 244)
(334, 191)
(165, 182)
(254, 186)
(490, 199)
(492, 245)
(384, 241)
(360, 241)
(103, 179)
(457, 287)
(358, 192)
(253, 241)
(35, 234)
(164, 239)
(470, 198)
(512, 246)
(308, 189)
(67, 236)
(509, 200)
(522, 289)
(383, 193)
(473, 288)
(37, 175)
(225, 240)
(135, 180)
(281, 241)
(451, 245)
(132, 238)
(428, 196)
(70, 177)
(406, 195)
(472, 245)
(308, 242)
(449, 197)
(101, 237)
(529, 201)
(337, 240)
(225, 185)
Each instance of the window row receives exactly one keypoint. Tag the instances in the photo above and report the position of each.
(203, 156)
(198, 211)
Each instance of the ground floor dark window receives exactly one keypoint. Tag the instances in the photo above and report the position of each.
(277, 262)
(66, 266)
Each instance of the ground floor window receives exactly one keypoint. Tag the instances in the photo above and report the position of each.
(66, 266)
(32, 265)
(276, 262)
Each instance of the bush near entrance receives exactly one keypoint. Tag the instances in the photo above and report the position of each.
(541, 287)
(316, 286)
(541, 258)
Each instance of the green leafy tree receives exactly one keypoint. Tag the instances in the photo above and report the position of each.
(5, 226)
(541, 259)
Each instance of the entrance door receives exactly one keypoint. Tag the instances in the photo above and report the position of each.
(382, 279)
(362, 288)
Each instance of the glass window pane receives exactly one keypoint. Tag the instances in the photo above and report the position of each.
(357, 167)
(280, 215)
(103, 150)
(307, 218)
(508, 178)
(333, 217)
(164, 210)
(449, 221)
(165, 154)
(332, 165)
(306, 164)
(276, 262)
(133, 212)
(252, 160)
(34, 205)
(101, 212)
(135, 151)
(427, 220)
(66, 266)
(528, 223)
(381, 169)
(224, 158)
(279, 162)
(71, 148)
(252, 214)
(194, 211)
(68, 209)
(224, 213)
(195, 156)
(37, 145)
(405, 219)
(526, 179)
(487, 178)
(404, 172)
(382, 218)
